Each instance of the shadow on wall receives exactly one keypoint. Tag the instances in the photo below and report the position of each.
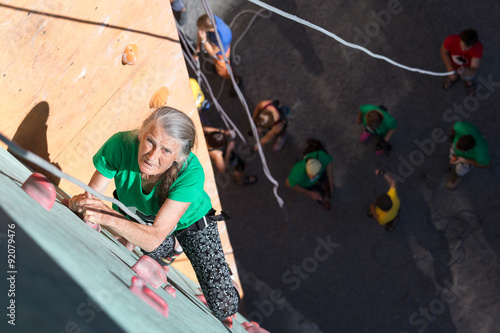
(32, 135)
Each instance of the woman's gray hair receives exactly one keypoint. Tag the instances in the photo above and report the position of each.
(181, 128)
(175, 124)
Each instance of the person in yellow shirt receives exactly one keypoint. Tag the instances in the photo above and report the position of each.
(386, 208)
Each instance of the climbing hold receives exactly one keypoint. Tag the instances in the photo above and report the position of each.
(96, 227)
(166, 269)
(202, 298)
(228, 322)
(139, 288)
(171, 290)
(130, 55)
(253, 327)
(160, 98)
(41, 189)
(151, 271)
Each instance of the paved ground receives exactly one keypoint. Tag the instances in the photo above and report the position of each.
(438, 271)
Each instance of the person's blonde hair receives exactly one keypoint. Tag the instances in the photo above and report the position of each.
(204, 22)
(181, 128)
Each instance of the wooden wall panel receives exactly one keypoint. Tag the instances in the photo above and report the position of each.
(69, 55)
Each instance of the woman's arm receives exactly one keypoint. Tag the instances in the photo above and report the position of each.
(313, 194)
(359, 118)
(388, 135)
(216, 157)
(445, 55)
(146, 237)
(98, 182)
(329, 173)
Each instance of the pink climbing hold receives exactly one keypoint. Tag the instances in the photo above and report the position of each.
(171, 290)
(95, 226)
(41, 189)
(166, 269)
(151, 271)
(139, 288)
(253, 327)
(228, 322)
(202, 298)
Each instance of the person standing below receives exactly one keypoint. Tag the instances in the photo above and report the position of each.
(220, 144)
(158, 178)
(385, 210)
(313, 175)
(208, 40)
(269, 116)
(377, 121)
(179, 9)
(462, 54)
(469, 148)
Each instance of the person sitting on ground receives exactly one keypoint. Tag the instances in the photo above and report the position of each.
(469, 148)
(378, 121)
(308, 176)
(269, 116)
(208, 40)
(158, 178)
(386, 208)
(462, 54)
(221, 147)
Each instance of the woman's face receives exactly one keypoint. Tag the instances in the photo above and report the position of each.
(157, 151)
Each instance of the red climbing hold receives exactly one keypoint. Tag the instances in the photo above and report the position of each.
(149, 296)
(151, 271)
(253, 327)
(171, 290)
(41, 189)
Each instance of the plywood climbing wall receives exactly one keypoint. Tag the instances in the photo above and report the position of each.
(65, 90)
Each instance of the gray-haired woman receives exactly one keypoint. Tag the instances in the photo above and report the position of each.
(157, 175)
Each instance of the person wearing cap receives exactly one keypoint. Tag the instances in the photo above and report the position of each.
(469, 148)
(377, 121)
(385, 210)
(269, 116)
(308, 176)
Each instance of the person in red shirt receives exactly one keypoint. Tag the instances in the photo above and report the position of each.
(462, 54)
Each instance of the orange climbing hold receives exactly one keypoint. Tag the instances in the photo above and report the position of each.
(41, 189)
(160, 98)
(130, 55)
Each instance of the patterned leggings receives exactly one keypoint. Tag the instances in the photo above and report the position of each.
(204, 250)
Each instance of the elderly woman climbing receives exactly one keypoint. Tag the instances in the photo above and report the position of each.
(158, 177)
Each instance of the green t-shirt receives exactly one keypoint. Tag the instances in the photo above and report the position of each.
(480, 152)
(298, 175)
(387, 124)
(118, 159)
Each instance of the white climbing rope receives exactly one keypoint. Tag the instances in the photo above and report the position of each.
(245, 106)
(201, 78)
(340, 40)
(37, 160)
(236, 57)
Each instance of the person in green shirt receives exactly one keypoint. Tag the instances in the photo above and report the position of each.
(313, 175)
(159, 179)
(377, 121)
(469, 148)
